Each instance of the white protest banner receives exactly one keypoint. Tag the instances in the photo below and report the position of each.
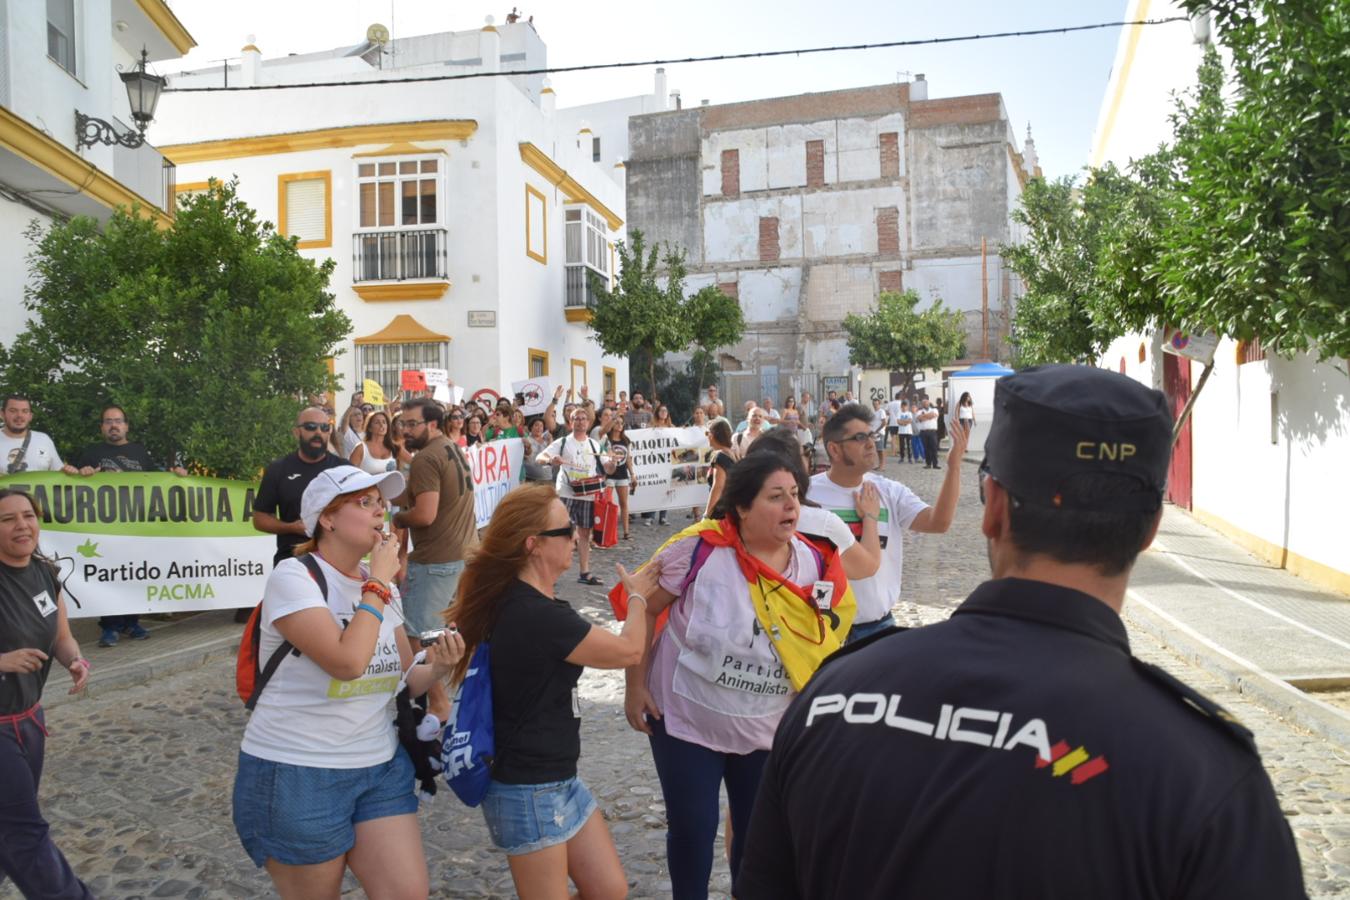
(669, 467)
(537, 394)
(149, 542)
(497, 466)
(436, 377)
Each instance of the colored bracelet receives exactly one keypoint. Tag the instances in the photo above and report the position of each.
(88, 666)
(372, 610)
(378, 589)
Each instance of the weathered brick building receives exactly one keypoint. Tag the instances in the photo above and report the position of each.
(806, 207)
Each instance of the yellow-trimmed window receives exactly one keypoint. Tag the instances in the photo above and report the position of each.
(536, 225)
(610, 382)
(305, 208)
(538, 364)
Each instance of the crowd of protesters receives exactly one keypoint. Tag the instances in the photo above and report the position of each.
(383, 585)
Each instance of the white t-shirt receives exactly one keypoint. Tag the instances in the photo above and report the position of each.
(41, 455)
(306, 717)
(899, 506)
(815, 521)
(929, 424)
(905, 420)
(893, 412)
(878, 421)
(581, 459)
(350, 440)
(966, 413)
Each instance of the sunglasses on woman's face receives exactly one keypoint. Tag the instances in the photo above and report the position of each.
(316, 426)
(564, 531)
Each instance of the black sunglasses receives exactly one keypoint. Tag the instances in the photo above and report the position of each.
(564, 531)
(316, 426)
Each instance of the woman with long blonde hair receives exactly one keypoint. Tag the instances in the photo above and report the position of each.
(537, 810)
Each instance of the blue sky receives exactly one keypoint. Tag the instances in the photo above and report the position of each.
(1055, 82)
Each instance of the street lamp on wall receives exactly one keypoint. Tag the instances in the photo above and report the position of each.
(143, 91)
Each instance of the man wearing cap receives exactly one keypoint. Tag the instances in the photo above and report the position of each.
(1018, 749)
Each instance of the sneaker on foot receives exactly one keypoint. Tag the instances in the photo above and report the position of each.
(136, 632)
(588, 578)
(108, 638)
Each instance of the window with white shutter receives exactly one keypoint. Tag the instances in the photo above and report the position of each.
(303, 208)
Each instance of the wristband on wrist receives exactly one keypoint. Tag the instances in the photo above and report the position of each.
(633, 595)
(372, 610)
(88, 666)
(378, 588)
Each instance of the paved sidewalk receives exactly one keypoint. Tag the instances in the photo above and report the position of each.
(1259, 628)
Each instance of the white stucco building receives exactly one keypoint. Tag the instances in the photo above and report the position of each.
(1263, 459)
(61, 58)
(461, 215)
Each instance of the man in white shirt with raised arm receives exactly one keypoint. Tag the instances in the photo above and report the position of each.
(852, 451)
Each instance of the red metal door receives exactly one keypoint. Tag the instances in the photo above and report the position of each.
(1177, 387)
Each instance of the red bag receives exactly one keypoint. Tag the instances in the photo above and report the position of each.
(250, 675)
(605, 532)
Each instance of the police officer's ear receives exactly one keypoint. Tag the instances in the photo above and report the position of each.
(996, 523)
(1152, 531)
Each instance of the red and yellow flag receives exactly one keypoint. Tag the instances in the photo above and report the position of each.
(806, 623)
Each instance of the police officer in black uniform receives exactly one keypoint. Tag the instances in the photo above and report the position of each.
(1018, 749)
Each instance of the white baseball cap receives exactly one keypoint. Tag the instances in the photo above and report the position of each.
(332, 483)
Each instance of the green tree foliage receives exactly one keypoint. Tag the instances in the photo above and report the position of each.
(1059, 317)
(647, 314)
(1238, 225)
(210, 333)
(897, 337)
(1258, 243)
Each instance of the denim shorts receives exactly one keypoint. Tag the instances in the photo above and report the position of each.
(302, 815)
(523, 818)
(861, 630)
(428, 592)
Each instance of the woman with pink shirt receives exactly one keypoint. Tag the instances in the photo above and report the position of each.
(711, 689)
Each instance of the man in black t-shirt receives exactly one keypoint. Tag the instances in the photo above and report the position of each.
(118, 454)
(276, 509)
(1018, 749)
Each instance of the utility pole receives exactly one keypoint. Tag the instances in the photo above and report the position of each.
(984, 299)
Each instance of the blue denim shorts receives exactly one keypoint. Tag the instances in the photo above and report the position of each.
(302, 815)
(523, 818)
(861, 630)
(428, 592)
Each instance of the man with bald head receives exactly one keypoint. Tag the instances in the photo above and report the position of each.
(276, 509)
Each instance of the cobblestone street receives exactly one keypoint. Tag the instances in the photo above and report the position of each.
(138, 781)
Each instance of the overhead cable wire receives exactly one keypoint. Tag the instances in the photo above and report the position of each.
(762, 54)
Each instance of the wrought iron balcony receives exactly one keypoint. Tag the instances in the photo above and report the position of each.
(580, 293)
(399, 255)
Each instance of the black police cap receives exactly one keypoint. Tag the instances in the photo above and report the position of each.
(1055, 423)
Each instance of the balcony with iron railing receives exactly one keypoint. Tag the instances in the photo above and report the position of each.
(402, 264)
(580, 297)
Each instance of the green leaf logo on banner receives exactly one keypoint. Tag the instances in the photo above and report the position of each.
(88, 550)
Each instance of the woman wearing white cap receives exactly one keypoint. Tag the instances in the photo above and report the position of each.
(323, 784)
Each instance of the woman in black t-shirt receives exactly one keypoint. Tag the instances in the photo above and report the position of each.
(536, 808)
(33, 632)
(719, 437)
